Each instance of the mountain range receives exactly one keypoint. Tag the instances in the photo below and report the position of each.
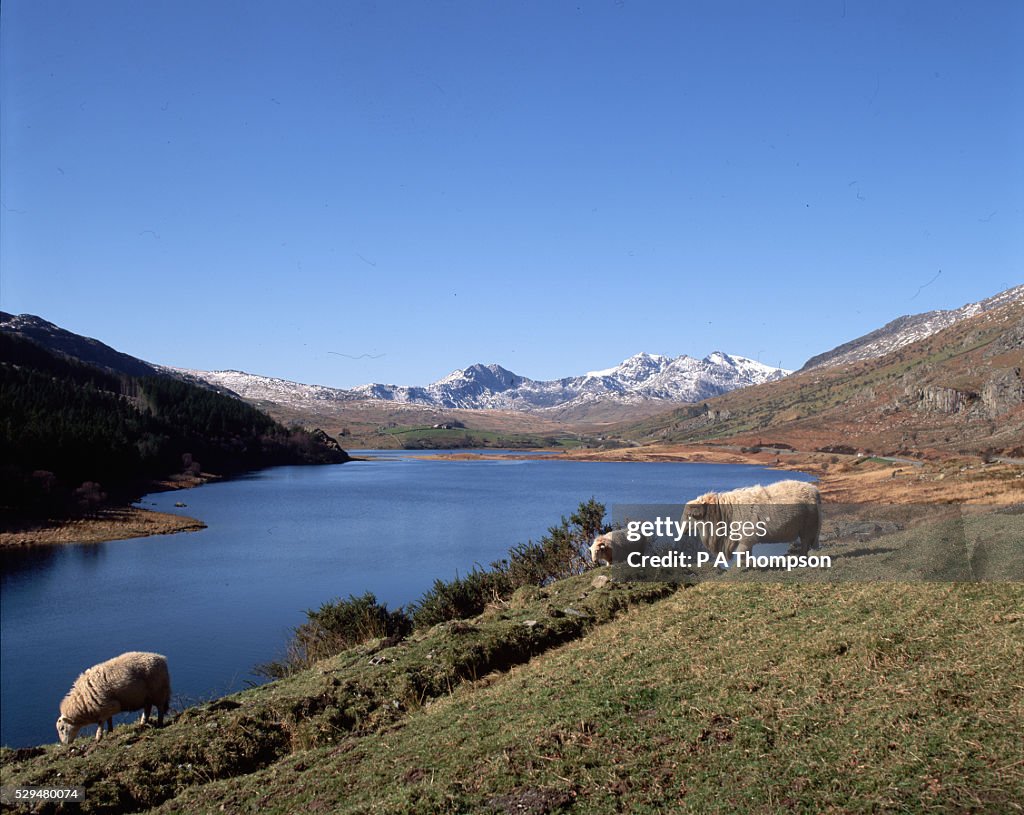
(640, 378)
(637, 387)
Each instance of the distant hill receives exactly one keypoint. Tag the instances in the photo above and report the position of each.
(907, 329)
(958, 390)
(639, 379)
(72, 433)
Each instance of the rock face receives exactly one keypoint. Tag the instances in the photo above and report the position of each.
(934, 399)
(639, 378)
(1003, 392)
(907, 329)
(320, 437)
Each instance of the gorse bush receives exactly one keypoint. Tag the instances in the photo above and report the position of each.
(555, 556)
(462, 597)
(336, 626)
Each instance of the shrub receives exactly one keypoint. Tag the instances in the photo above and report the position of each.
(557, 555)
(460, 598)
(336, 626)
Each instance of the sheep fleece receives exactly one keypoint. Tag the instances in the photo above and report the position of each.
(127, 682)
(789, 510)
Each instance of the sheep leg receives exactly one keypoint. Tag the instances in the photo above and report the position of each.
(160, 711)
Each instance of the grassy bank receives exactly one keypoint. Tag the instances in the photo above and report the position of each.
(427, 437)
(598, 696)
(613, 698)
(103, 525)
(368, 689)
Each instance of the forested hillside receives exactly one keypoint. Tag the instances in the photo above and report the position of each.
(70, 432)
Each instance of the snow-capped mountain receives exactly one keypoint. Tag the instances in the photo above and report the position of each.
(907, 329)
(639, 378)
(256, 388)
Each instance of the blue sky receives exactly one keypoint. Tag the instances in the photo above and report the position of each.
(551, 186)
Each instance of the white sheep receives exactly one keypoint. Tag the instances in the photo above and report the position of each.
(615, 547)
(785, 511)
(128, 682)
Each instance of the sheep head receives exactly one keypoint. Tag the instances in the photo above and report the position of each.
(66, 730)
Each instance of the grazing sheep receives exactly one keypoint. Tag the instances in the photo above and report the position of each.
(787, 509)
(129, 682)
(615, 547)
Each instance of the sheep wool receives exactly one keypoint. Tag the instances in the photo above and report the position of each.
(132, 681)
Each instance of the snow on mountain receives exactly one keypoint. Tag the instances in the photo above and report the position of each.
(256, 388)
(641, 377)
(907, 329)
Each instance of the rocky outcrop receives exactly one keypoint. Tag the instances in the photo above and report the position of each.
(937, 399)
(1003, 392)
(321, 438)
(1010, 342)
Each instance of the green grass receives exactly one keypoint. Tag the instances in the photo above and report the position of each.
(731, 696)
(721, 699)
(434, 438)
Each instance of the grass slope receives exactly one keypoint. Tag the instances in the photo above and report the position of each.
(364, 690)
(598, 697)
(853, 698)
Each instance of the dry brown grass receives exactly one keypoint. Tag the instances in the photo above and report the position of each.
(105, 525)
(847, 479)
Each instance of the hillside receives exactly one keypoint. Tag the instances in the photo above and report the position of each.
(75, 346)
(74, 434)
(907, 329)
(956, 391)
(592, 696)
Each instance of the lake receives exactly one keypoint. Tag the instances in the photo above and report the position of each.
(220, 601)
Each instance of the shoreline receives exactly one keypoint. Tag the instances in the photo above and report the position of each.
(841, 479)
(110, 524)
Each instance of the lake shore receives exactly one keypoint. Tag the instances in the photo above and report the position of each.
(841, 478)
(852, 479)
(110, 523)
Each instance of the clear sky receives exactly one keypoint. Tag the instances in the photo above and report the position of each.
(553, 186)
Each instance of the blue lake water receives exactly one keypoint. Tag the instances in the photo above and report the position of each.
(220, 601)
